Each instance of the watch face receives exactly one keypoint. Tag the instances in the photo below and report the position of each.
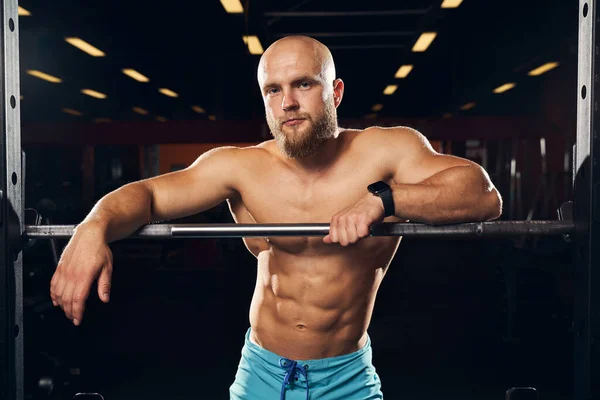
(378, 187)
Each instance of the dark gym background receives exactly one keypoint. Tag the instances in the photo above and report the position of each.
(455, 319)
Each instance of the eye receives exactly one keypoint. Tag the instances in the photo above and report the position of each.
(272, 90)
(305, 85)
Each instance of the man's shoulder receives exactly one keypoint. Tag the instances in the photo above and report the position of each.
(390, 136)
(241, 152)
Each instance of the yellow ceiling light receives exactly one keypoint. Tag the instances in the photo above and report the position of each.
(371, 116)
(543, 68)
(212, 117)
(102, 119)
(424, 41)
(140, 110)
(232, 6)
(133, 74)
(44, 76)
(504, 88)
(23, 12)
(253, 44)
(85, 47)
(390, 89)
(198, 109)
(447, 115)
(377, 107)
(93, 93)
(161, 119)
(451, 3)
(168, 92)
(468, 106)
(403, 71)
(70, 111)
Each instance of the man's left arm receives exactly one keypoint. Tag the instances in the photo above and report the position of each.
(435, 188)
(426, 186)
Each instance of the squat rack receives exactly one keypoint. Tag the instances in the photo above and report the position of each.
(584, 230)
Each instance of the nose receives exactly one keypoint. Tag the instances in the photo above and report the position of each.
(289, 101)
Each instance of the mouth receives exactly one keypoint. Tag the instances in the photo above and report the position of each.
(294, 121)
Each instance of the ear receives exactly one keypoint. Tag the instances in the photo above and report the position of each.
(338, 91)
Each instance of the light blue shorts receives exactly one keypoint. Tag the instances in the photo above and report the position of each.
(265, 375)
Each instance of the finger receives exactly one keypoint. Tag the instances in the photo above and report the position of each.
(59, 289)
(343, 235)
(351, 229)
(363, 230)
(53, 287)
(104, 283)
(333, 233)
(67, 300)
(327, 239)
(80, 296)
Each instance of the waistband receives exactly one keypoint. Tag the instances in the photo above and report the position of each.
(314, 364)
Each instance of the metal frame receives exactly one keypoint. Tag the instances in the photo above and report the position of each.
(335, 14)
(587, 210)
(11, 208)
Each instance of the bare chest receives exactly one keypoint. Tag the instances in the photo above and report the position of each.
(281, 196)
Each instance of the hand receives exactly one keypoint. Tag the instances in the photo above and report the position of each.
(86, 258)
(352, 224)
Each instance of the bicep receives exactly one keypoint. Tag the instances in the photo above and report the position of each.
(414, 159)
(209, 181)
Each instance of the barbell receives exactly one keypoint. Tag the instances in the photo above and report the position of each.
(471, 229)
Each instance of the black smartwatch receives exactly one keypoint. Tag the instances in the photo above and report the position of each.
(384, 191)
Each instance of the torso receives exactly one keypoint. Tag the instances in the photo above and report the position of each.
(312, 300)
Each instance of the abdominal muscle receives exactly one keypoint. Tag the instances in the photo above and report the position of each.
(311, 306)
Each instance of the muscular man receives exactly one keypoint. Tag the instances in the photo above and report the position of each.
(314, 296)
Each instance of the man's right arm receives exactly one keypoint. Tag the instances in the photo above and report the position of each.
(211, 179)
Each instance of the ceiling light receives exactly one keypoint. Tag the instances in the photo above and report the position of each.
(99, 120)
(212, 117)
(424, 41)
(132, 73)
(543, 68)
(140, 110)
(451, 3)
(468, 106)
(46, 77)
(198, 109)
(377, 107)
(504, 88)
(403, 71)
(93, 93)
(232, 6)
(371, 116)
(70, 111)
(447, 115)
(168, 92)
(390, 89)
(85, 47)
(23, 12)
(161, 119)
(253, 44)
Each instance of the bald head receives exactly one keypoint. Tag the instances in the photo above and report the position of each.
(298, 48)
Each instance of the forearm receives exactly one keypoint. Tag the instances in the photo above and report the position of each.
(121, 212)
(454, 195)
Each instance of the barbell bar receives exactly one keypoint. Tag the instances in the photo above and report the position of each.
(176, 231)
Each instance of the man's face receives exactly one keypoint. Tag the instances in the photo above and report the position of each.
(299, 103)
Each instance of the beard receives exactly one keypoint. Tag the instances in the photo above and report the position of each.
(306, 139)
